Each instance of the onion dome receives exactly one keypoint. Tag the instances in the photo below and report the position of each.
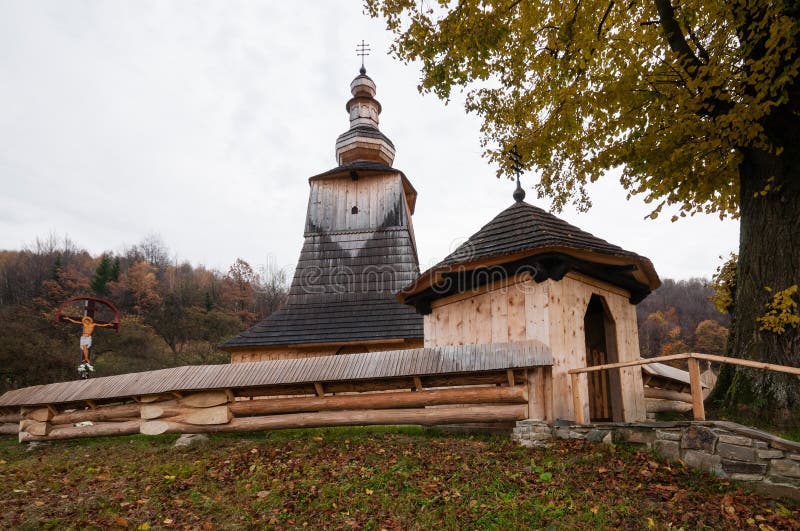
(363, 141)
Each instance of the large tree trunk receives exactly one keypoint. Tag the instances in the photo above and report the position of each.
(769, 256)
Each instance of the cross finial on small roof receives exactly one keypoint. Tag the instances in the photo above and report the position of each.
(362, 50)
(516, 166)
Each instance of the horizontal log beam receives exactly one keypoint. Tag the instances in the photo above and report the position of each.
(97, 430)
(666, 394)
(8, 428)
(100, 414)
(10, 417)
(41, 414)
(162, 409)
(205, 416)
(387, 384)
(430, 397)
(655, 405)
(423, 417)
(207, 398)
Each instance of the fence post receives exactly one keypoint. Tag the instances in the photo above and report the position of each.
(698, 408)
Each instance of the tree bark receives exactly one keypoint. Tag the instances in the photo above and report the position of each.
(769, 256)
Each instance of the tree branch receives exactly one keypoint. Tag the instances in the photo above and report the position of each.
(689, 61)
(674, 35)
(603, 20)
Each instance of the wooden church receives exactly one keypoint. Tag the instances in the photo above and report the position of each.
(488, 335)
(525, 276)
(528, 275)
(359, 251)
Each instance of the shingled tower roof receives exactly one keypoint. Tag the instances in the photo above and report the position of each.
(527, 237)
(359, 248)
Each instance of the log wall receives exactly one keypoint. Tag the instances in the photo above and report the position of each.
(499, 396)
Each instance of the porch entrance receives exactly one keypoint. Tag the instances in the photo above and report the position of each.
(605, 398)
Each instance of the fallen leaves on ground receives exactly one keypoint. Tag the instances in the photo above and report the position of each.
(365, 478)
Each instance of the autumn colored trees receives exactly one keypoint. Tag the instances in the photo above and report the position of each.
(679, 317)
(173, 313)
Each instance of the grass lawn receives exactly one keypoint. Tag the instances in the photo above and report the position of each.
(392, 478)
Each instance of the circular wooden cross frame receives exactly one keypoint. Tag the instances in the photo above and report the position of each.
(90, 308)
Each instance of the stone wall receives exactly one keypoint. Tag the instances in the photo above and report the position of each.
(758, 459)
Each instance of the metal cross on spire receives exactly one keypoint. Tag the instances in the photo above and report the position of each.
(516, 166)
(362, 50)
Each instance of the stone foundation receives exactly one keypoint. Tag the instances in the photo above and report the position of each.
(760, 460)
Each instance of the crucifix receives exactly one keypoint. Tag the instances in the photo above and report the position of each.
(362, 50)
(516, 166)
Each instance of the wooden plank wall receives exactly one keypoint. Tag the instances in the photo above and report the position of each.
(551, 312)
(378, 197)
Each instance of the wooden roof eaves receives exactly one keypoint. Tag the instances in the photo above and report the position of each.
(645, 273)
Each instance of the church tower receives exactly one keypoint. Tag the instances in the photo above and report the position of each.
(359, 251)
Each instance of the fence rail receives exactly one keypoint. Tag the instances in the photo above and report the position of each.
(692, 358)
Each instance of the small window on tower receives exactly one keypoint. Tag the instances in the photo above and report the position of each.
(354, 210)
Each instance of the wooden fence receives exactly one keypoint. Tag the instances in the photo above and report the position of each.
(692, 358)
(496, 383)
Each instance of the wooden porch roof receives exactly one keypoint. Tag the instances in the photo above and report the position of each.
(445, 360)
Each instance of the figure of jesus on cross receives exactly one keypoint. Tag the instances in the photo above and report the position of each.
(86, 342)
(88, 324)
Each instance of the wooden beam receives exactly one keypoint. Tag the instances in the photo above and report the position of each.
(655, 405)
(547, 376)
(419, 416)
(577, 402)
(402, 399)
(97, 430)
(698, 408)
(100, 414)
(162, 409)
(536, 399)
(42, 414)
(667, 394)
(510, 375)
(205, 399)
(417, 383)
(319, 389)
(10, 417)
(204, 416)
(696, 356)
(8, 428)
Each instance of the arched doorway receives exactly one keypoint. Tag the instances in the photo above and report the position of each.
(605, 397)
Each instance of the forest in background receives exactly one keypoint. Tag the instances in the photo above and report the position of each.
(175, 313)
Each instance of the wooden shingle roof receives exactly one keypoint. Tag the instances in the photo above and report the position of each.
(522, 227)
(456, 359)
(526, 235)
(344, 291)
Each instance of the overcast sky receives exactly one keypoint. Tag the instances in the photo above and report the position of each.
(201, 122)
